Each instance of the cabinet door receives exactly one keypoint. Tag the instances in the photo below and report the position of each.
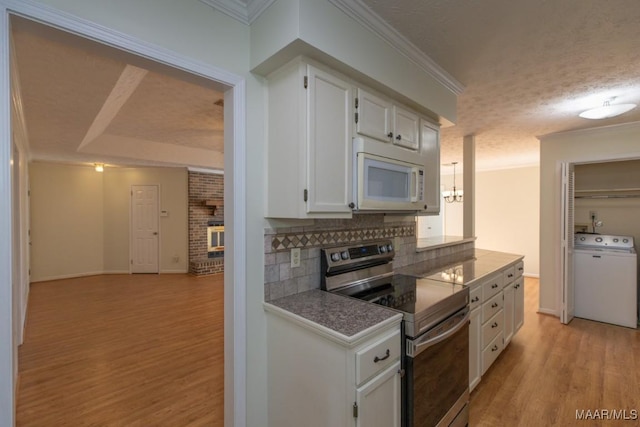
(475, 349)
(378, 401)
(518, 307)
(508, 312)
(405, 125)
(373, 116)
(430, 142)
(328, 138)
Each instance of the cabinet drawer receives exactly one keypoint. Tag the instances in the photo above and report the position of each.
(377, 356)
(491, 352)
(519, 269)
(491, 307)
(475, 297)
(492, 287)
(508, 275)
(492, 327)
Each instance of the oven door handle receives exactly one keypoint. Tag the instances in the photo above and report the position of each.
(419, 346)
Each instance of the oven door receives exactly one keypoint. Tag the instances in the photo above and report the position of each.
(437, 374)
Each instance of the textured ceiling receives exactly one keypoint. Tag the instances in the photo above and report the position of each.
(85, 102)
(528, 67)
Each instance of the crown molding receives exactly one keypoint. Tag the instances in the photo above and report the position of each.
(362, 14)
(245, 11)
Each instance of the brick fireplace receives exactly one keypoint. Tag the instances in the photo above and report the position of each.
(204, 189)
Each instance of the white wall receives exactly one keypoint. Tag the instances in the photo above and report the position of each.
(508, 213)
(66, 221)
(502, 223)
(590, 145)
(80, 219)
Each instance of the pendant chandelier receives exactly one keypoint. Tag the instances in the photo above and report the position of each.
(455, 195)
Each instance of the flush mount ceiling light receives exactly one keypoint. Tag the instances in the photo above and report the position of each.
(607, 111)
(99, 167)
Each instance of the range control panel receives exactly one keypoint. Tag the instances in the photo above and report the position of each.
(345, 255)
(604, 241)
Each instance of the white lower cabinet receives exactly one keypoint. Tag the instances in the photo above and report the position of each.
(497, 313)
(381, 391)
(475, 349)
(316, 379)
(518, 304)
(508, 312)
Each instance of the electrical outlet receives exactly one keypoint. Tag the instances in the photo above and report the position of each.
(295, 257)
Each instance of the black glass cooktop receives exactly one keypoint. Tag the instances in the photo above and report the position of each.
(405, 293)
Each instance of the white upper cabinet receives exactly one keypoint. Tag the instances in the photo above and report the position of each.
(405, 126)
(309, 143)
(373, 116)
(329, 142)
(430, 140)
(380, 119)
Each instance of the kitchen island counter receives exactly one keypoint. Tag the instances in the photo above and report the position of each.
(469, 266)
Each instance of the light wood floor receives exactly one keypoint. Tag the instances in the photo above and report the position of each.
(123, 350)
(551, 370)
(147, 350)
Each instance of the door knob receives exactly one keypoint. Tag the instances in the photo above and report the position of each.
(155, 233)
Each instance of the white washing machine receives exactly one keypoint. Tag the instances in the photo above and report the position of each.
(605, 277)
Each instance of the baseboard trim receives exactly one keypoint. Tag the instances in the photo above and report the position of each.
(98, 273)
(548, 311)
(533, 276)
(68, 276)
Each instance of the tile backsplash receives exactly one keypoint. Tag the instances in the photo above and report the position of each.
(282, 280)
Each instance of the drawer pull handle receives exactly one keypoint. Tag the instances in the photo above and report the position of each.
(495, 285)
(510, 275)
(380, 359)
(520, 268)
(475, 299)
(494, 325)
(494, 305)
(495, 347)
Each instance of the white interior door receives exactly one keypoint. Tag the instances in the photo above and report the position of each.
(144, 220)
(566, 256)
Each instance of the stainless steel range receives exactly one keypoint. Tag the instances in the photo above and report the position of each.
(435, 389)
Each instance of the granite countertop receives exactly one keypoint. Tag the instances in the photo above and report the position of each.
(429, 243)
(474, 264)
(348, 320)
(345, 318)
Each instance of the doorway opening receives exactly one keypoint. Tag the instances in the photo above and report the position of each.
(600, 198)
(233, 88)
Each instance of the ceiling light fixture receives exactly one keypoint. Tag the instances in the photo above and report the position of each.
(607, 111)
(455, 195)
(99, 167)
